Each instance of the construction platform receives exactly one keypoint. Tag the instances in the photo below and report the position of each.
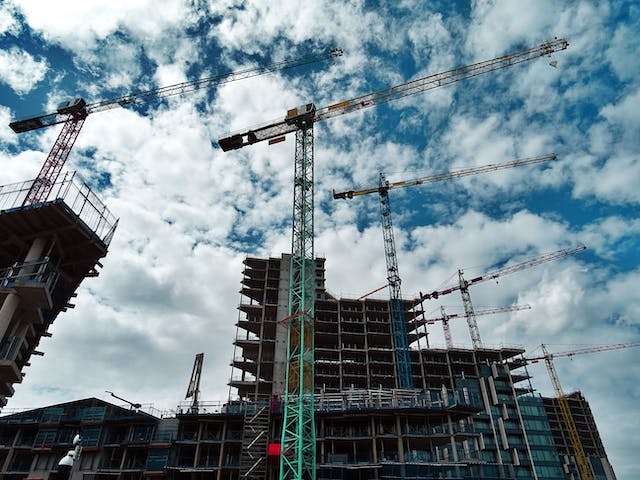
(46, 250)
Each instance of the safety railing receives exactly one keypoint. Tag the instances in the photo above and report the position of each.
(76, 194)
(394, 399)
(9, 347)
(355, 400)
(40, 271)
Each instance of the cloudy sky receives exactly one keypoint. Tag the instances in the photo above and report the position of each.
(190, 213)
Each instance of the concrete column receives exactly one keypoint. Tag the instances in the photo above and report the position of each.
(7, 311)
(279, 386)
(400, 443)
(12, 302)
(36, 249)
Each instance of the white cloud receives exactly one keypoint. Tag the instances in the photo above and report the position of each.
(612, 172)
(499, 24)
(607, 236)
(8, 22)
(625, 114)
(6, 134)
(93, 21)
(23, 166)
(623, 53)
(347, 23)
(20, 70)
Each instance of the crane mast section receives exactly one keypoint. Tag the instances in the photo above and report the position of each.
(445, 328)
(50, 171)
(298, 441)
(474, 331)
(66, 110)
(278, 128)
(398, 321)
(194, 383)
(465, 172)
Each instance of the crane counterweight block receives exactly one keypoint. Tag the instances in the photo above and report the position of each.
(342, 195)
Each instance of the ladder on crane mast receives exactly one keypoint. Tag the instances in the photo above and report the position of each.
(298, 458)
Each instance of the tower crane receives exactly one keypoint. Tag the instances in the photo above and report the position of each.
(463, 285)
(396, 306)
(581, 458)
(193, 390)
(72, 115)
(298, 432)
(445, 317)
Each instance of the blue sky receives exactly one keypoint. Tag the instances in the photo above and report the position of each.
(190, 213)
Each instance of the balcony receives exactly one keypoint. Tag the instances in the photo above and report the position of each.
(10, 352)
(33, 281)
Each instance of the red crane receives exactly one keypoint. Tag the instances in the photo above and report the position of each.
(463, 285)
(72, 115)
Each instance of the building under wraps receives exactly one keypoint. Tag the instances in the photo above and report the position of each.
(472, 414)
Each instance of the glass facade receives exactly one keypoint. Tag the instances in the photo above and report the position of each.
(543, 450)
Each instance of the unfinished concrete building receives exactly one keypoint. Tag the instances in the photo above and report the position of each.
(463, 420)
(46, 250)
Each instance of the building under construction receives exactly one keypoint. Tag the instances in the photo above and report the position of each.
(352, 383)
(472, 415)
(587, 431)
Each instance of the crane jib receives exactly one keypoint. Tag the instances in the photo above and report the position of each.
(65, 111)
(278, 128)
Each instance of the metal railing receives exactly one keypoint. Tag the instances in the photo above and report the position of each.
(76, 194)
(355, 400)
(10, 347)
(392, 399)
(36, 271)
